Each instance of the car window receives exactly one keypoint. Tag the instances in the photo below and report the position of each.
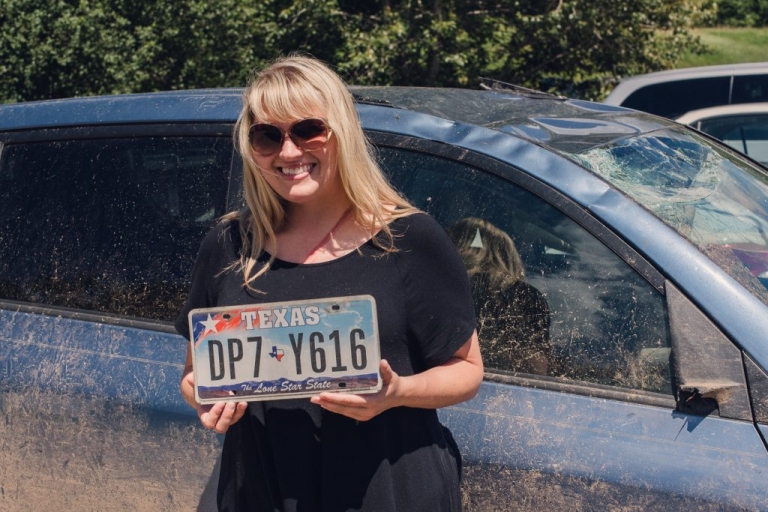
(672, 99)
(747, 133)
(715, 199)
(108, 225)
(551, 298)
(750, 88)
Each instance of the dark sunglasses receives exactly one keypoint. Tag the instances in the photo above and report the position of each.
(306, 134)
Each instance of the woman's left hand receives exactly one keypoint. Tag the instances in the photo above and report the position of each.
(366, 406)
(454, 381)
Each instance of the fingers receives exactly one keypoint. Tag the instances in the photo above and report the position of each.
(189, 378)
(341, 400)
(363, 407)
(239, 411)
(351, 406)
(221, 415)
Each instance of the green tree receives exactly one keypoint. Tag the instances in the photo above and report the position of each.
(576, 47)
(54, 49)
(742, 13)
(60, 48)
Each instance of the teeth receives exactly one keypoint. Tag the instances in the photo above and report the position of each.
(296, 170)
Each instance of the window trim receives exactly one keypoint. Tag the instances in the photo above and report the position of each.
(559, 385)
(88, 316)
(117, 131)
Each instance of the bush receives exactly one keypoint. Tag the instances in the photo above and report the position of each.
(61, 48)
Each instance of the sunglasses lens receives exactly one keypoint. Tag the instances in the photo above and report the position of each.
(310, 134)
(265, 139)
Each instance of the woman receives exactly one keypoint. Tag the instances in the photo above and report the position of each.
(321, 221)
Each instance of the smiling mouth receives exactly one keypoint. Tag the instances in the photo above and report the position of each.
(293, 171)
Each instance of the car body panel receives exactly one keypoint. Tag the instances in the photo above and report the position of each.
(222, 105)
(631, 448)
(723, 110)
(101, 354)
(93, 413)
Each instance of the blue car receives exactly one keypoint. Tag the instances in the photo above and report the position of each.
(618, 260)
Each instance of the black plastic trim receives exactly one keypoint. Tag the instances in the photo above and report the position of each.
(89, 316)
(577, 388)
(757, 381)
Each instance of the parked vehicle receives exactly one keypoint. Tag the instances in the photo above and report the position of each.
(743, 127)
(645, 239)
(673, 93)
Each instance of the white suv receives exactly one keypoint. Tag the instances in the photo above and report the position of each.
(673, 93)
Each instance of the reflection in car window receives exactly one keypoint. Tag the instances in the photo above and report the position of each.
(574, 310)
(108, 225)
(716, 200)
(513, 316)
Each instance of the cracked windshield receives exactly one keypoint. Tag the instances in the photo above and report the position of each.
(717, 201)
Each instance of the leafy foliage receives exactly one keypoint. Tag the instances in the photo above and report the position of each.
(742, 13)
(60, 48)
(576, 47)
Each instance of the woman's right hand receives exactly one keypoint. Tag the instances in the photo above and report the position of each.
(221, 415)
(217, 417)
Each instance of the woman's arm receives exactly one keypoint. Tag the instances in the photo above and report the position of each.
(455, 381)
(219, 416)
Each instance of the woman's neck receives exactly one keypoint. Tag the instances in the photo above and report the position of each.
(310, 217)
(316, 235)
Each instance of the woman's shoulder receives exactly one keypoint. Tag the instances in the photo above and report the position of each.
(416, 226)
(420, 234)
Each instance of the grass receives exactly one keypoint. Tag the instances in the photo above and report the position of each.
(729, 46)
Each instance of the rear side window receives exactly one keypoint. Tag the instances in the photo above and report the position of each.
(108, 225)
(673, 99)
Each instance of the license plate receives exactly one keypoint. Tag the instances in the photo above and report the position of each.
(285, 349)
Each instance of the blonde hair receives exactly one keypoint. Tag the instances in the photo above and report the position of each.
(485, 248)
(296, 87)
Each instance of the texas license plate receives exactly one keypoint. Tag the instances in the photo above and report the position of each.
(285, 349)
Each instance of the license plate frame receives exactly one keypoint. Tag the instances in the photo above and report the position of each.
(244, 353)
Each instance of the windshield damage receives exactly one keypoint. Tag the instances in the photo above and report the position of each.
(716, 200)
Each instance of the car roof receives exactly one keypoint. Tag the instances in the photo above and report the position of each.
(633, 83)
(563, 125)
(213, 105)
(723, 111)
